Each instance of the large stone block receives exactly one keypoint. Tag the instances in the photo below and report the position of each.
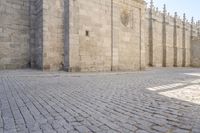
(195, 57)
(14, 34)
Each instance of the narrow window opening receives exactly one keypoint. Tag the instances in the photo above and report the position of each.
(87, 33)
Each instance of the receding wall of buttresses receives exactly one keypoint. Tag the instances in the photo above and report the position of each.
(168, 38)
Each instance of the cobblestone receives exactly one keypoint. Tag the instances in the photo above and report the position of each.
(153, 101)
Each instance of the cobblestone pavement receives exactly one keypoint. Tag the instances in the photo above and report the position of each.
(153, 101)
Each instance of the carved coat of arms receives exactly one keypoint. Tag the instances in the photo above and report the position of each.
(125, 16)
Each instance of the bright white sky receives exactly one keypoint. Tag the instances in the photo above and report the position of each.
(190, 7)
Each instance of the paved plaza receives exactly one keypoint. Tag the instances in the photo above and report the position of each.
(153, 101)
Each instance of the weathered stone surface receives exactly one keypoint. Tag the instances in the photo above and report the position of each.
(168, 40)
(195, 53)
(36, 33)
(92, 35)
(106, 35)
(14, 34)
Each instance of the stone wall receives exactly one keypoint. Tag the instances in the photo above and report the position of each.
(53, 34)
(90, 35)
(155, 46)
(195, 48)
(36, 33)
(47, 34)
(105, 35)
(195, 57)
(179, 44)
(128, 40)
(169, 57)
(14, 34)
(188, 43)
(93, 35)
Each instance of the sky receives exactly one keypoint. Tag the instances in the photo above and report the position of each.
(190, 7)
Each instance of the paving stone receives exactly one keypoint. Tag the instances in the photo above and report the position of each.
(61, 130)
(129, 127)
(181, 131)
(10, 131)
(141, 131)
(73, 131)
(160, 129)
(46, 126)
(112, 131)
(9, 124)
(100, 103)
(195, 130)
(33, 127)
(94, 128)
(82, 129)
(1, 123)
(37, 132)
(58, 123)
(68, 127)
(49, 131)
(104, 127)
